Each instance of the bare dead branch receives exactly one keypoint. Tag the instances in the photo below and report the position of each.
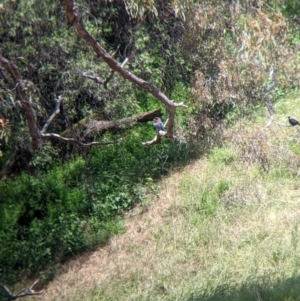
(23, 293)
(96, 79)
(269, 121)
(104, 82)
(180, 105)
(270, 106)
(268, 99)
(78, 142)
(116, 51)
(281, 124)
(94, 123)
(111, 74)
(155, 140)
(53, 115)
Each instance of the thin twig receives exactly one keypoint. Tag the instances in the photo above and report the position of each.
(281, 124)
(111, 74)
(55, 112)
(96, 79)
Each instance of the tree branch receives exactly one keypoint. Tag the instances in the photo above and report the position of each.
(268, 101)
(53, 115)
(76, 141)
(35, 133)
(112, 74)
(94, 123)
(96, 79)
(127, 122)
(73, 19)
(99, 80)
(23, 293)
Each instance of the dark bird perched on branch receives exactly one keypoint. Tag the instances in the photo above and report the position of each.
(293, 121)
(159, 126)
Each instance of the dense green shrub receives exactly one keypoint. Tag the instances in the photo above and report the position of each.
(41, 217)
(47, 217)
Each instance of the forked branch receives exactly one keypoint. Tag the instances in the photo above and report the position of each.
(111, 74)
(104, 82)
(268, 99)
(23, 293)
(269, 102)
(101, 81)
(55, 112)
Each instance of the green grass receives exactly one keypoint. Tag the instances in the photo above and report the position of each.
(224, 228)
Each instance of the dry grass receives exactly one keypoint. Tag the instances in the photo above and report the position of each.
(224, 222)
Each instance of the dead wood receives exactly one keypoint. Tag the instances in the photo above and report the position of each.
(93, 123)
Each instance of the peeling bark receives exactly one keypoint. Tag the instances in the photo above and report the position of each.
(93, 123)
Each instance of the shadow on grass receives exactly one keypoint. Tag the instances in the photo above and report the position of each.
(262, 290)
(51, 216)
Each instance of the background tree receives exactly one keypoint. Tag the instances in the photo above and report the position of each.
(241, 50)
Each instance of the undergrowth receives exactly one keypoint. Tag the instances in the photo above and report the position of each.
(224, 228)
(49, 217)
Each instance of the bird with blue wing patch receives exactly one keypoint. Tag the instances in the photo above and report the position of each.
(159, 126)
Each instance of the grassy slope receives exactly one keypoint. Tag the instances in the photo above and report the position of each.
(224, 228)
